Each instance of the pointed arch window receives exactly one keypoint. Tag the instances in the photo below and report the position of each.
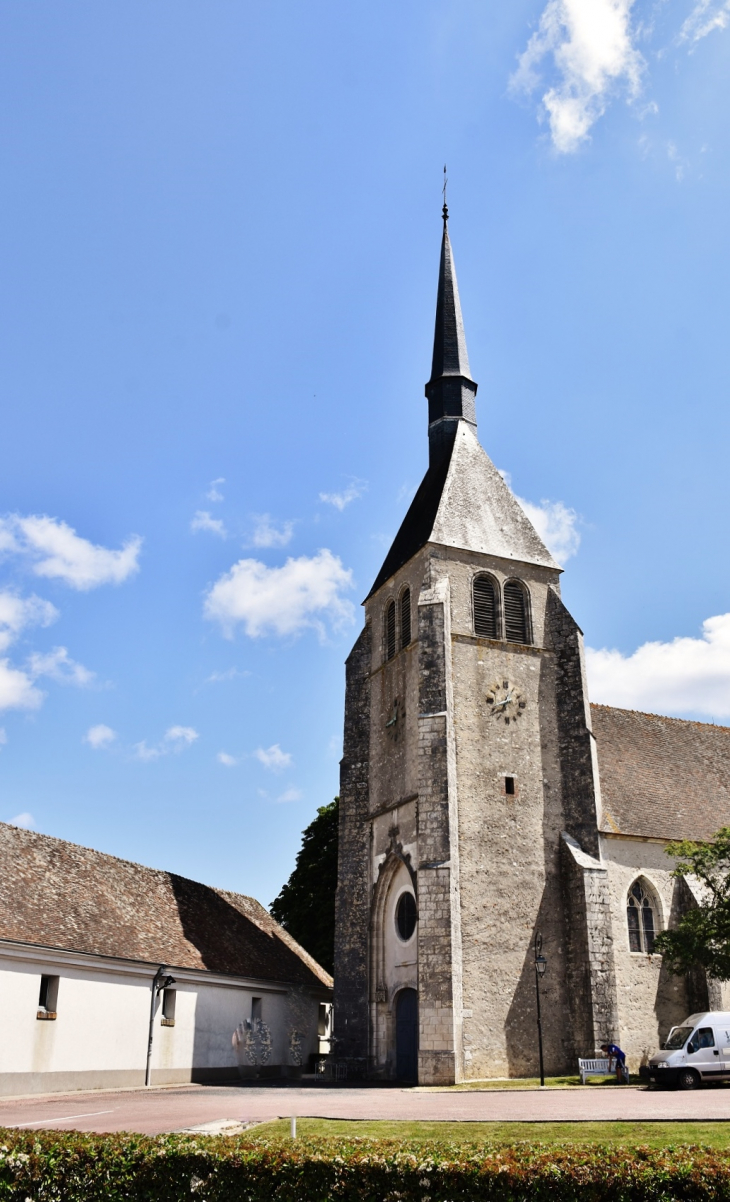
(390, 644)
(641, 916)
(405, 617)
(485, 607)
(515, 613)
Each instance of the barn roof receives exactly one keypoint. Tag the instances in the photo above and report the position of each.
(60, 895)
(661, 778)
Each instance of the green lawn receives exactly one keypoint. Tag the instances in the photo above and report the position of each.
(653, 1135)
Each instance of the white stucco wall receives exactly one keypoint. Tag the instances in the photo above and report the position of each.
(99, 1037)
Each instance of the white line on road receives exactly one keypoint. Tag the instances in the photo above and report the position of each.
(64, 1118)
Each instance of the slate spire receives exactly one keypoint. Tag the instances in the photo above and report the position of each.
(451, 390)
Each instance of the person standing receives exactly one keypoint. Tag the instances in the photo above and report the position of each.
(613, 1050)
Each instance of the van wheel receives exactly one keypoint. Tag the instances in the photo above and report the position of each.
(688, 1079)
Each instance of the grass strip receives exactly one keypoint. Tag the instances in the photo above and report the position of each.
(401, 1133)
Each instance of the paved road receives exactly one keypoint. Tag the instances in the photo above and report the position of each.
(158, 1110)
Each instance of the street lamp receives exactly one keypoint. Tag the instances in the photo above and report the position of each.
(160, 981)
(540, 966)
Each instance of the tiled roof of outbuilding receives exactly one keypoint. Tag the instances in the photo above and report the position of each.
(58, 894)
(661, 778)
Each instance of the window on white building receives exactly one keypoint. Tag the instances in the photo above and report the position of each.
(169, 997)
(48, 997)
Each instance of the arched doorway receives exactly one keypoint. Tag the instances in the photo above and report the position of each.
(406, 1035)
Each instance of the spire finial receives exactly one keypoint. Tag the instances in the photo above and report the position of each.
(445, 209)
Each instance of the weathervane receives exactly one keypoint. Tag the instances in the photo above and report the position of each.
(445, 208)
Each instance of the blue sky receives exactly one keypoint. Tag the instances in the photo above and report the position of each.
(219, 238)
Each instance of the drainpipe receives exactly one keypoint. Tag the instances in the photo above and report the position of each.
(155, 990)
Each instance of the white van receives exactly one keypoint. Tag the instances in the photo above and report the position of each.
(696, 1051)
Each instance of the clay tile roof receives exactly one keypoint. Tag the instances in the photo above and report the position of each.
(57, 894)
(663, 778)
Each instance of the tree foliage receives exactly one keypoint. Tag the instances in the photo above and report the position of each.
(306, 905)
(702, 936)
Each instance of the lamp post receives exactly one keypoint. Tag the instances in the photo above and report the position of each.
(159, 982)
(540, 966)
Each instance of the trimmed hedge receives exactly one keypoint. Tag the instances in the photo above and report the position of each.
(65, 1166)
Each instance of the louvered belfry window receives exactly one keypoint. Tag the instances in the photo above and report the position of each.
(485, 607)
(390, 630)
(515, 613)
(405, 617)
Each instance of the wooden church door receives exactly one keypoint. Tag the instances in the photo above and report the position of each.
(406, 1035)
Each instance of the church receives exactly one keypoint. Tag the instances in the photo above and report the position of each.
(486, 804)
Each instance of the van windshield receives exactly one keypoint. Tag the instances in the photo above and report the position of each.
(677, 1038)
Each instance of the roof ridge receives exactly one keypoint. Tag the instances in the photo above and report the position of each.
(162, 872)
(620, 709)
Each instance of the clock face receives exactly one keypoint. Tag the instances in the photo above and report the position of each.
(505, 702)
(394, 724)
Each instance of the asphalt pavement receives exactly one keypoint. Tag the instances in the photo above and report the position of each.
(154, 1111)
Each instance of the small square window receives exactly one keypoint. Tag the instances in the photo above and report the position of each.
(48, 997)
(509, 786)
(255, 1009)
(169, 997)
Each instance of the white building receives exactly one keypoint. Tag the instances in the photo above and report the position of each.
(112, 973)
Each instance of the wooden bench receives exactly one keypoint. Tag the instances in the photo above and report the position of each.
(602, 1066)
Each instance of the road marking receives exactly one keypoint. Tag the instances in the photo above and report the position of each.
(64, 1118)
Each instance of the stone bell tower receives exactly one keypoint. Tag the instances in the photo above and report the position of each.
(467, 752)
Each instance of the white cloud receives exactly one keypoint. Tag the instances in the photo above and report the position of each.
(26, 821)
(342, 499)
(273, 758)
(175, 739)
(687, 675)
(100, 736)
(3, 736)
(59, 666)
(60, 553)
(213, 494)
(291, 795)
(592, 53)
(555, 523)
(267, 534)
(204, 521)
(228, 674)
(227, 760)
(18, 612)
(181, 736)
(281, 601)
(17, 690)
(706, 16)
(143, 752)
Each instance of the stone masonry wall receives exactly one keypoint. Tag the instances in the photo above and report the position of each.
(436, 1059)
(576, 745)
(352, 906)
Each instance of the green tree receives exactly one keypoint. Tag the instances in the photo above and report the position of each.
(702, 936)
(306, 905)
